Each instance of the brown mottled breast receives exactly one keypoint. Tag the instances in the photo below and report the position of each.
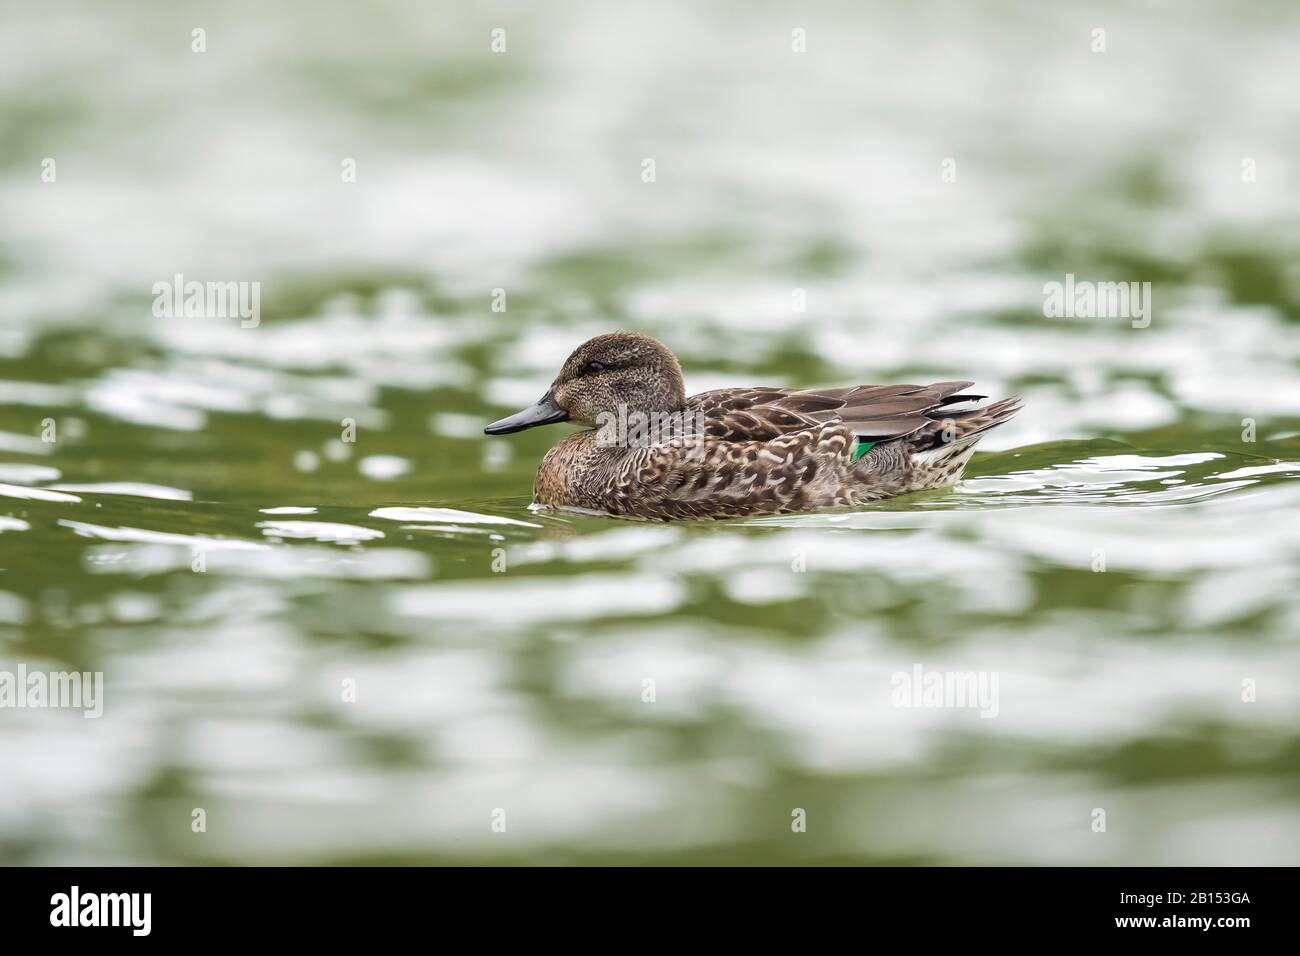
(578, 472)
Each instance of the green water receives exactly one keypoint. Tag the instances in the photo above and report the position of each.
(323, 610)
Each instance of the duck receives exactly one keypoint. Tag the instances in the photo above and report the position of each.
(649, 451)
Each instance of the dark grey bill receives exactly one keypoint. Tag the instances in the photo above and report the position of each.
(543, 413)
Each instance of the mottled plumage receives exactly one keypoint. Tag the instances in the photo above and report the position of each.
(742, 451)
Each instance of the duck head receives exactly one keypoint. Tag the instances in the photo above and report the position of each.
(621, 368)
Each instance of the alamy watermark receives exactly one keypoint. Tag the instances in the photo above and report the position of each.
(133, 911)
(1083, 299)
(634, 429)
(946, 689)
(208, 300)
(68, 690)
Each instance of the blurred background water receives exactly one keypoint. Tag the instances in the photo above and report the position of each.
(1167, 455)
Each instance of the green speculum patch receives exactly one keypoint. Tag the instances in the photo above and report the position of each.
(861, 448)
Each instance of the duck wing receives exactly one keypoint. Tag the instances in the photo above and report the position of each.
(873, 412)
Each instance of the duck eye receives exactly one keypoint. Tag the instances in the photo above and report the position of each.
(593, 367)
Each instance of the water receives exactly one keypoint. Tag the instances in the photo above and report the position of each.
(1123, 556)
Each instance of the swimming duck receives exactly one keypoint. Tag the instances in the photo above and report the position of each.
(649, 451)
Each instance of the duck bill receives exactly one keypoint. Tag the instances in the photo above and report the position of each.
(543, 413)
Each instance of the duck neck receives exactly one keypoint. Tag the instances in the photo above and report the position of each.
(630, 427)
